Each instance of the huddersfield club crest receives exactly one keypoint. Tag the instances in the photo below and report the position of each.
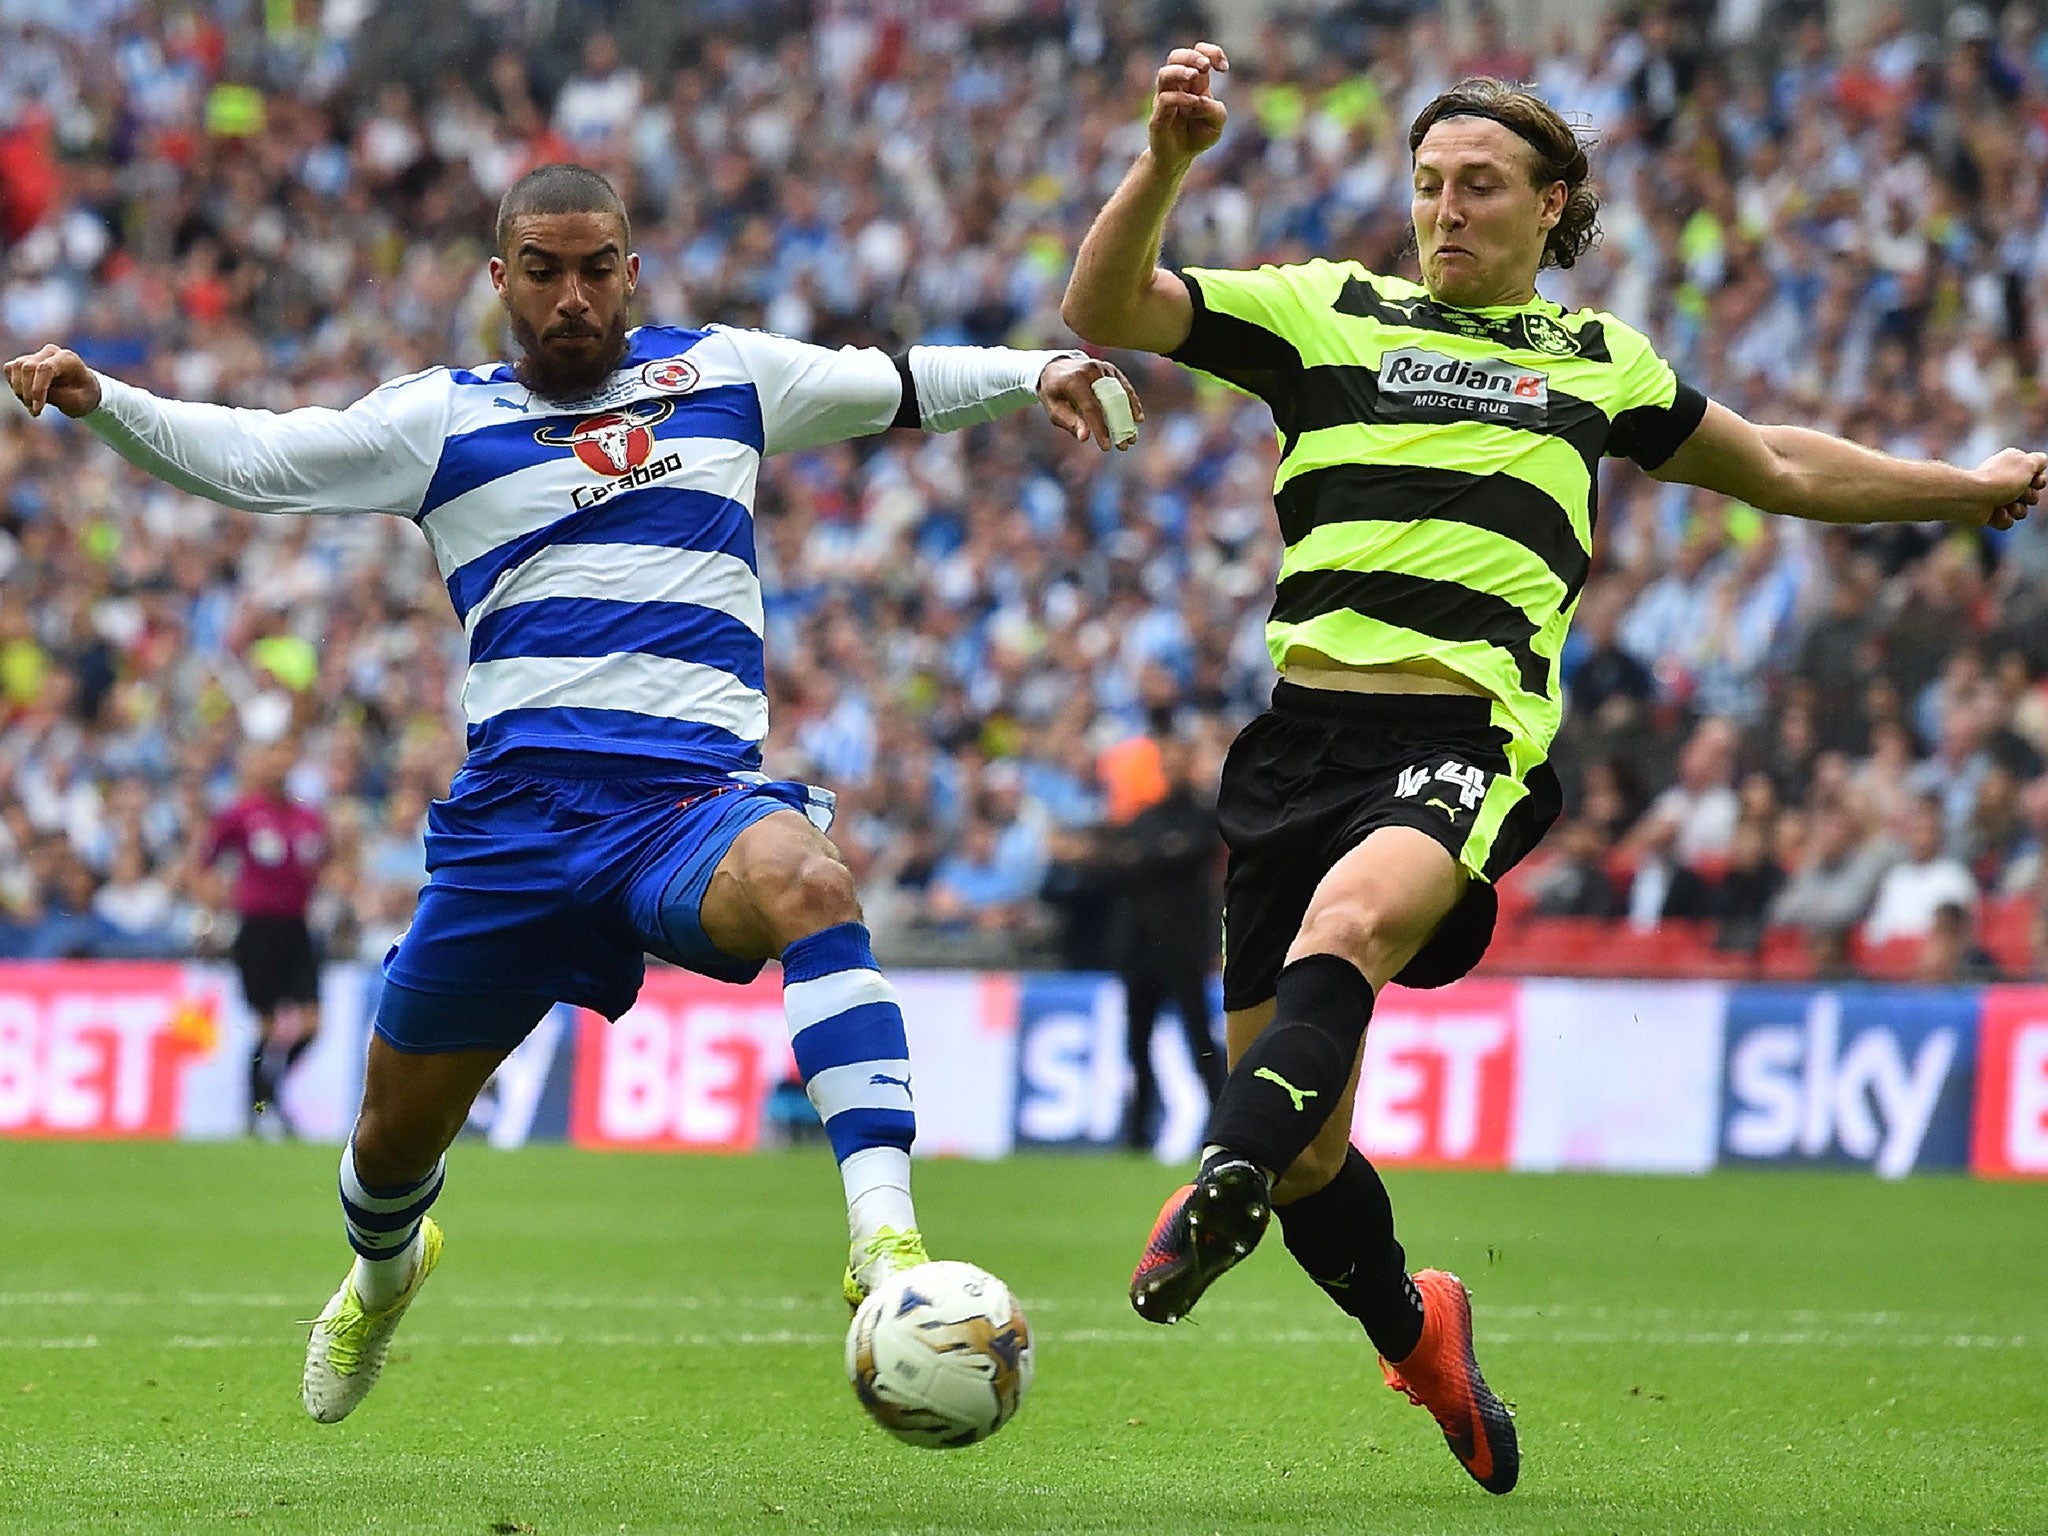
(1547, 335)
(615, 442)
(671, 375)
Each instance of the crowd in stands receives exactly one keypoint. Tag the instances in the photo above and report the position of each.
(980, 640)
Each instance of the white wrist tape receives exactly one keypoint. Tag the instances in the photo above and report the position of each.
(959, 386)
(1116, 411)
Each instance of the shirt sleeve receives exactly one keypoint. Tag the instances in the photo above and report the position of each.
(220, 837)
(813, 395)
(1241, 325)
(1656, 410)
(376, 456)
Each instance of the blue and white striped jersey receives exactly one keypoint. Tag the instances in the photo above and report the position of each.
(599, 554)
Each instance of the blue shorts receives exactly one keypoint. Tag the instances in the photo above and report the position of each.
(546, 884)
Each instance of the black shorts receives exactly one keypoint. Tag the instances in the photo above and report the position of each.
(275, 957)
(1307, 781)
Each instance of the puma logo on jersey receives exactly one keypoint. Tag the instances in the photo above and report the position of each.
(1301, 1096)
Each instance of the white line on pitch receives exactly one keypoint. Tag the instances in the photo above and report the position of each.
(808, 1339)
(1689, 1320)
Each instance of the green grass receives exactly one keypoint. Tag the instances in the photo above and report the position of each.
(653, 1344)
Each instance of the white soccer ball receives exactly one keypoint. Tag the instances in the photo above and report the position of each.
(940, 1355)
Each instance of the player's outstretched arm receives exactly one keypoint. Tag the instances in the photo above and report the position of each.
(813, 395)
(1803, 473)
(1079, 395)
(376, 456)
(1119, 296)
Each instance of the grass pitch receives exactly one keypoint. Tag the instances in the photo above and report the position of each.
(633, 1343)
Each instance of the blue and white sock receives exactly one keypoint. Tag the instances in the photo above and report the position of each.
(855, 1063)
(384, 1228)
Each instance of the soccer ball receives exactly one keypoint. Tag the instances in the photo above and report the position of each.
(940, 1355)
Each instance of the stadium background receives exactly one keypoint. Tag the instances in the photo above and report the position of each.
(273, 205)
(971, 635)
(1794, 754)
(1750, 943)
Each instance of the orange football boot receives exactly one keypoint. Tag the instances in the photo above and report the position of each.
(1442, 1375)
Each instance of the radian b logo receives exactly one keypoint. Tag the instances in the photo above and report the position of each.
(1417, 384)
(614, 443)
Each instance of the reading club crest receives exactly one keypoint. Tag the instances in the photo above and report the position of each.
(671, 375)
(614, 443)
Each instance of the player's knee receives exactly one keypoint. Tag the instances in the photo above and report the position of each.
(1355, 927)
(818, 893)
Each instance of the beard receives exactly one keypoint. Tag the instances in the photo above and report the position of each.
(561, 375)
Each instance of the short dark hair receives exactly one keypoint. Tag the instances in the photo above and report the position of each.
(559, 188)
(1560, 156)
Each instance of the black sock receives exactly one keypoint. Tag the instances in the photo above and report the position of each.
(1281, 1091)
(1343, 1235)
(262, 1086)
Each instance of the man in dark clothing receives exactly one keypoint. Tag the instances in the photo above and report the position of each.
(1166, 858)
(1742, 897)
(278, 846)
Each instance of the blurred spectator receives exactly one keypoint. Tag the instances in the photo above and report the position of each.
(1701, 807)
(973, 890)
(1957, 768)
(1883, 780)
(1603, 670)
(1837, 879)
(597, 104)
(1571, 879)
(1611, 796)
(1663, 886)
(1916, 887)
(1741, 899)
(142, 911)
(1951, 952)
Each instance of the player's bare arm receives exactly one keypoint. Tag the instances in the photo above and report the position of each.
(1119, 296)
(1809, 474)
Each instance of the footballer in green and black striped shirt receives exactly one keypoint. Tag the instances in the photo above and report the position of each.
(1440, 448)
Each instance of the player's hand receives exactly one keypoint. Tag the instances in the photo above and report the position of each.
(2013, 480)
(1067, 388)
(54, 375)
(1186, 118)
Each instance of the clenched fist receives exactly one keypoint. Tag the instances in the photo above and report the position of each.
(54, 375)
(2013, 481)
(1186, 118)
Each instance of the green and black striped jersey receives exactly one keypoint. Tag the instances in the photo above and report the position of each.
(1438, 466)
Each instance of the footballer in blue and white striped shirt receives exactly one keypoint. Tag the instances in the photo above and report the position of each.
(591, 510)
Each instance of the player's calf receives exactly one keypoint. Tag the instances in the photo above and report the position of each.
(854, 1058)
(1343, 1237)
(1284, 1087)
